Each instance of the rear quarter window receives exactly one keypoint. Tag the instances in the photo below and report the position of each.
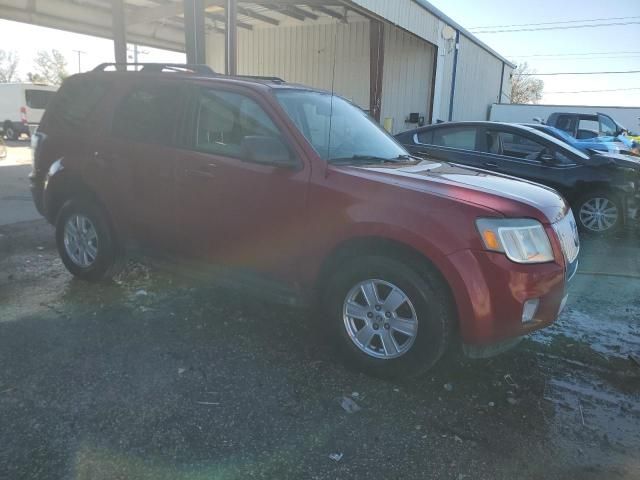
(75, 102)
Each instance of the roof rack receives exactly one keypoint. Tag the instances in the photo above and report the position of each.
(158, 67)
(260, 77)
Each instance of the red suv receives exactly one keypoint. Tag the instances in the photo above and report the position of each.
(301, 187)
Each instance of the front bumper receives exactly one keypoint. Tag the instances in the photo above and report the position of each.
(490, 292)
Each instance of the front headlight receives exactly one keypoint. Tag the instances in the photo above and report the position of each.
(522, 240)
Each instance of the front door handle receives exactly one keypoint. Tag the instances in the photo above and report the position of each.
(491, 164)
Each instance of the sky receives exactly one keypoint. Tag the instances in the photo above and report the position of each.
(609, 48)
(569, 46)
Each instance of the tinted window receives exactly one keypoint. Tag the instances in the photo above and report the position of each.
(147, 114)
(38, 99)
(74, 103)
(426, 137)
(224, 119)
(464, 138)
(589, 125)
(514, 145)
(566, 123)
(607, 127)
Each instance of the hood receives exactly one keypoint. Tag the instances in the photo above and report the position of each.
(507, 195)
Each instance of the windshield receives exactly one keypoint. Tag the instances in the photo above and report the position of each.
(338, 132)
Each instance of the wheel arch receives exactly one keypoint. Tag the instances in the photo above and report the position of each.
(61, 187)
(386, 247)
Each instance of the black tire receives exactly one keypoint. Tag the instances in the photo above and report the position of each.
(11, 132)
(587, 224)
(430, 299)
(106, 262)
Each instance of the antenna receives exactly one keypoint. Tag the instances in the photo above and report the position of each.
(333, 84)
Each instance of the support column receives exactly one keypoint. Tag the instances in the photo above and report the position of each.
(453, 75)
(231, 38)
(119, 31)
(194, 38)
(376, 67)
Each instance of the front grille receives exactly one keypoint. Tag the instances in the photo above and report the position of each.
(567, 232)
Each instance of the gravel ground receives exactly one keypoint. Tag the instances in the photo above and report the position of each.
(159, 376)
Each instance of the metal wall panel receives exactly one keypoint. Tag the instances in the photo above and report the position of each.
(407, 78)
(305, 54)
(477, 82)
(478, 71)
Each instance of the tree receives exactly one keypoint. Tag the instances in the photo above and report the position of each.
(8, 66)
(50, 67)
(525, 87)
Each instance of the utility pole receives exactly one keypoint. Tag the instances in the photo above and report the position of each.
(80, 53)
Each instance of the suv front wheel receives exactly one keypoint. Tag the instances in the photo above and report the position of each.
(85, 240)
(389, 320)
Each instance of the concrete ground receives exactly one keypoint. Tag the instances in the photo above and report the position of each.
(162, 376)
(15, 200)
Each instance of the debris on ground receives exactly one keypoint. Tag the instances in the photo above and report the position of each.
(40, 248)
(349, 406)
(512, 401)
(355, 394)
(492, 404)
(509, 380)
(141, 293)
(336, 457)
(208, 403)
(448, 387)
(457, 439)
(181, 371)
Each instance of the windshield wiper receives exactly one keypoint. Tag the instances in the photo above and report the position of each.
(369, 159)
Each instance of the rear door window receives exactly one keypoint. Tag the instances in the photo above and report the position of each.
(464, 138)
(148, 114)
(566, 123)
(38, 99)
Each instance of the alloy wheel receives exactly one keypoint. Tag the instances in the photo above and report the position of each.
(598, 214)
(380, 319)
(81, 240)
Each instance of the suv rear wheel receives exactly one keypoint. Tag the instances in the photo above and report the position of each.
(599, 213)
(388, 319)
(85, 240)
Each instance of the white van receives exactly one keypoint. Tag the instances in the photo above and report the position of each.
(22, 106)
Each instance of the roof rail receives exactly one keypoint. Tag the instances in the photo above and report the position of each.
(260, 77)
(158, 67)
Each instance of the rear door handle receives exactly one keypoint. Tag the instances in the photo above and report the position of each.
(491, 164)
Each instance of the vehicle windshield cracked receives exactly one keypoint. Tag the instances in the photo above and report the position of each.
(339, 131)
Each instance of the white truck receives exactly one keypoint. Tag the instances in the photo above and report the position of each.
(22, 106)
(629, 117)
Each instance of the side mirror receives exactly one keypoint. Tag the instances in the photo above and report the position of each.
(266, 150)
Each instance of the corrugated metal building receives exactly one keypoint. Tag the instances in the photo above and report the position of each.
(392, 57)
(417, 61)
